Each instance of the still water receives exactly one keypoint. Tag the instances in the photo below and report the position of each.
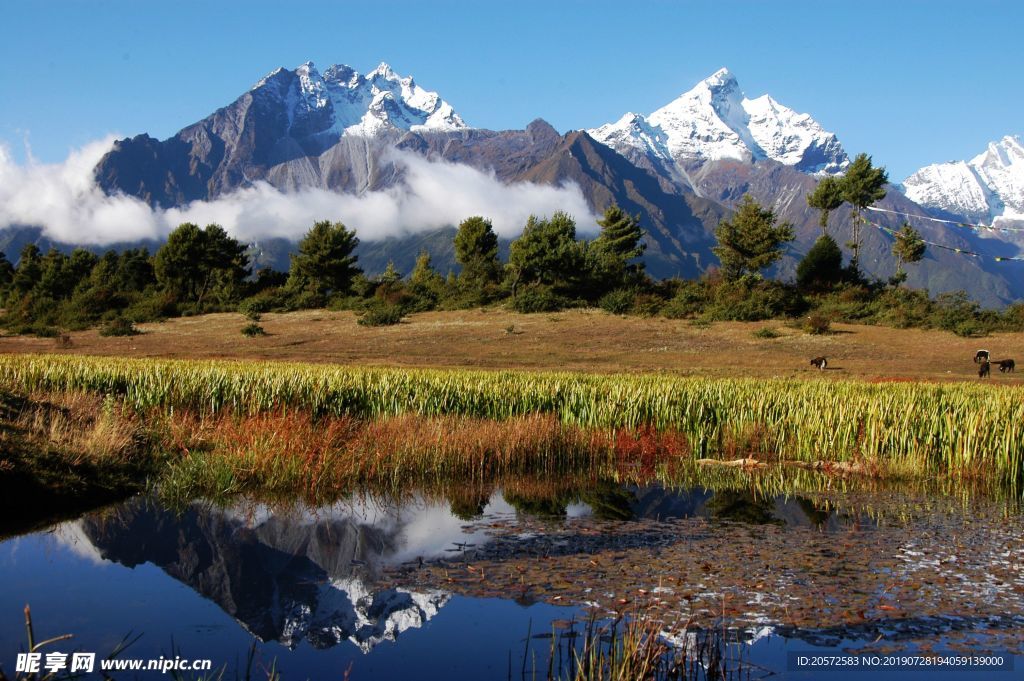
(479, 585)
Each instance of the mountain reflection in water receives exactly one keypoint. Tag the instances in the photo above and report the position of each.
(317, 574)
(830, 570)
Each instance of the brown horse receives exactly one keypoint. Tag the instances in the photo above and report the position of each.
(819, 362)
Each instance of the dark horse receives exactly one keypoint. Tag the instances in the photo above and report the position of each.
(985, 369)
(980, 355)
(1006, 365)
(819, 362)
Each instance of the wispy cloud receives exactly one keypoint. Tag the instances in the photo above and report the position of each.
(65, 201)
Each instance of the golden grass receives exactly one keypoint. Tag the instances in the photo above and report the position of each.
(582, 340)
(85, 427)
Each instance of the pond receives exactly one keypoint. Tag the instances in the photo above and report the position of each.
(490, 583)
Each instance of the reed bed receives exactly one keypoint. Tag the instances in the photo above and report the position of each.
(965, 429)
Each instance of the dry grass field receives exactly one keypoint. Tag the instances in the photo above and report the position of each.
(583, 340)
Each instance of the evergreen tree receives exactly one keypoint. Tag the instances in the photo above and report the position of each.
(750, 241)
(425, 283)
(908, 247)
(196, 261)
(476, 250)
(613, 252)
(6, 272)
(546, 253)
(822, 266)
(390, 275)
(29, 270)
(862, 185)
(826, 197)
(325, 262)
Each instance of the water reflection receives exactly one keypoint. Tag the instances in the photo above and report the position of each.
(813, 567)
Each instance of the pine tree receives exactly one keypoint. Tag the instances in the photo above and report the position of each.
(612, 253)
(6, 272)
(195, 261)
(325, 262)
(862, 185)
(750, 241)
(822, 266)
(826, 197)
(476, 250)
(547, 253)
(909, 248)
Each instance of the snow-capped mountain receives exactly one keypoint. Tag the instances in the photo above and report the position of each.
(285, 577)
(344, 102)
(989, 187)
(715, 121)
(680, 168)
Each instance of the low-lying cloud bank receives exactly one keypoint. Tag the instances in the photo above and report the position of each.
(65, 201)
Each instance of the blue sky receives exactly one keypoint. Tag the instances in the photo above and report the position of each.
(909, 82)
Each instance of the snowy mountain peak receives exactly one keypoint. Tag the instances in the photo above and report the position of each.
(1002, 154)
(714, 121)
(989, 187)
(342, 102)
(383, 70)
(721, 80)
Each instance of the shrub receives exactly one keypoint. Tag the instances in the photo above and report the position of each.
(766, 332)
(119, 326)
(381, 314)
(647, 304)
(753, 299)
(537, 299)
(619, 301)
(268, 300)
(691, 298)
(252, 330)
(818, 324)
(956, 312)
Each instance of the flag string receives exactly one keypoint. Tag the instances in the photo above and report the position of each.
(961, 251)
(965, 225)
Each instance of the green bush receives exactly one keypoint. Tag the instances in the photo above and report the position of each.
(767, 333)
(957, 313)
(619, 301)
(381, 314)
(537, 299)
(119, 326)
(252, 330)
(691, 298)
(647, 304)
(152, 308)
(752, 299)
(269, 300)
(818, 324)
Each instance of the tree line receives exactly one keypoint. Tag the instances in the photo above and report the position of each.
(548, 268)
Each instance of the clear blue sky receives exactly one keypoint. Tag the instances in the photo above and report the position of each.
(909, 82)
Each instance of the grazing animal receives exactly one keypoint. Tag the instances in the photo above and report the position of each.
(819, 362)
(1006, 365)
(980, 356)
(985, 369)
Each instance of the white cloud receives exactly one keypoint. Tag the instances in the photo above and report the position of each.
(65, 201)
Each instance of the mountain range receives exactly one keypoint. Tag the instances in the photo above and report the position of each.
(682, 169)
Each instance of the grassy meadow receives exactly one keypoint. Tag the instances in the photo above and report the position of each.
(243, 425)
